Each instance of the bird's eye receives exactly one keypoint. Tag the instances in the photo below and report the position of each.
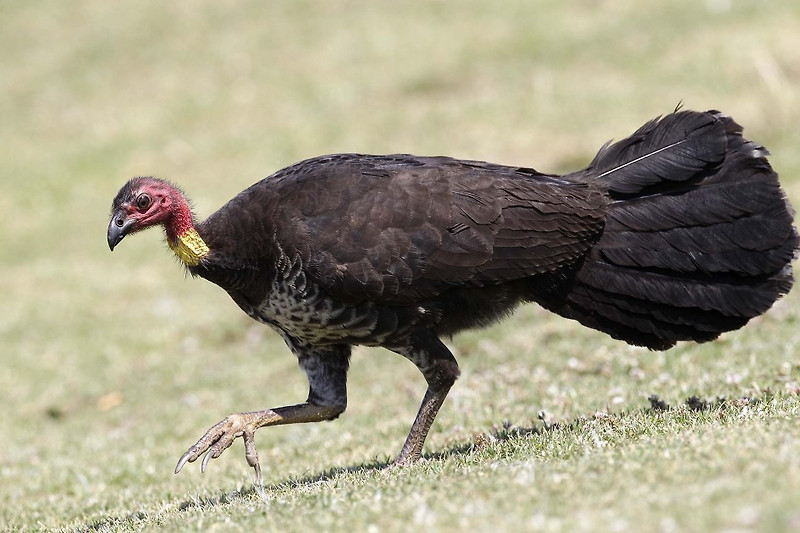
(143, 202)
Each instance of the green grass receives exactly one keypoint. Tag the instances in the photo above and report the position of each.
(112, 364)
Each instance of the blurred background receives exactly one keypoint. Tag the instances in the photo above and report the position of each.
(111, 364)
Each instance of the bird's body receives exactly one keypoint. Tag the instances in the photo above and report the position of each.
(353, 264)
(679, 232)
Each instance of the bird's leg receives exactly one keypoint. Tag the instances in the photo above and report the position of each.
(440, 370)
(327, 399)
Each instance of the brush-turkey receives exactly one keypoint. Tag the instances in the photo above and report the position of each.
(677, 233)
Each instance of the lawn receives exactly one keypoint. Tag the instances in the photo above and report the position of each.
(113, 364)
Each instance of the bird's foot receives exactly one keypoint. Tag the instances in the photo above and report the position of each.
(408, 456)
(221, 436)
(400, 463)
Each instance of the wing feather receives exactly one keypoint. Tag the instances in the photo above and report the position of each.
(396, 229)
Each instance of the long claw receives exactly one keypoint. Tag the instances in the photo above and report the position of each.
(257, 468)
(182, 461)
(206, 459)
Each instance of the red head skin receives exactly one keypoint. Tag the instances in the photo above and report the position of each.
(145, 202)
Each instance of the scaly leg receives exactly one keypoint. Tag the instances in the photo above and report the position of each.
(440, 370)
(327, 399)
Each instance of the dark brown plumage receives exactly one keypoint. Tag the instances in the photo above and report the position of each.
(679, 232)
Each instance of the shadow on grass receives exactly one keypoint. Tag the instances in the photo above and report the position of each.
(141, 519)
(507, 431)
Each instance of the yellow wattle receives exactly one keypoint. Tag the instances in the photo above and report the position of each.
(190, 247)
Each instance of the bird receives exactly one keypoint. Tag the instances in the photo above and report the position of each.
(679, 232)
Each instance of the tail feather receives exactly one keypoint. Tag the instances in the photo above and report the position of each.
(698, 239)
(732, 296)
(722, 248)
(673, 149)
(647, 323)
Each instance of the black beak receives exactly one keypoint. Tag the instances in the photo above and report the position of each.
(119, 226)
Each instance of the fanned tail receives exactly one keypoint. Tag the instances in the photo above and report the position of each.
(699, 237)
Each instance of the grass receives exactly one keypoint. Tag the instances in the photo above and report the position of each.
(112, 364)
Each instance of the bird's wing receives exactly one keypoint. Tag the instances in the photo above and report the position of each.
(398, 229)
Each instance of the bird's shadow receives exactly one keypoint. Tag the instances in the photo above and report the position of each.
(505, 432)
(141, 518)
(502, 433)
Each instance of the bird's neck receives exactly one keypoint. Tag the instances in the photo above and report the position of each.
(189, 247)
(182, 236)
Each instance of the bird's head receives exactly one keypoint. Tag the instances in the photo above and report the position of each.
(145, 202)
(141, 203)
